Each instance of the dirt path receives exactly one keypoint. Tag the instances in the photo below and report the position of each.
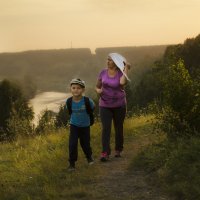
(121, 183)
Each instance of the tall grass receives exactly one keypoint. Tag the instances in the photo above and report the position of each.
(36, 168)
(174, 165)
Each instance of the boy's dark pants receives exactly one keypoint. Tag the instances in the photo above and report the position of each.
(118, 116)
(82, 133)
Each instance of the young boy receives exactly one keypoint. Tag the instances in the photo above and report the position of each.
(79, 123)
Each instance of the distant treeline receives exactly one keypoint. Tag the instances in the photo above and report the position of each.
(47, 70)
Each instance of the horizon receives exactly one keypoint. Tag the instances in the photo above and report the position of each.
(34, 25)
(92, 52)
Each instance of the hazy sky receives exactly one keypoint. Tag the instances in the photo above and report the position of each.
(55, 24)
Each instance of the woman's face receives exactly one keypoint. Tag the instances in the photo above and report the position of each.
(110, 63)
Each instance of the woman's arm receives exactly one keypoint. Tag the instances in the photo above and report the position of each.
(98, 87)
(123, 79)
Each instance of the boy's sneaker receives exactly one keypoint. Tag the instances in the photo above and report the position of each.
(71, 167)
(117, 154)
(104, 157)
(90, 161)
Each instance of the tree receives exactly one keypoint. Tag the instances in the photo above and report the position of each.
(46, 122)
(189, 52)
(13, 104)
(150, 87)
(181, 107)
(62, 117)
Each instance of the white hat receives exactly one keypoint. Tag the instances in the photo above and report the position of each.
(78, 81)
(119, 61)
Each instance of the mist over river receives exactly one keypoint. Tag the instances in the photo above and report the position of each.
(47, 100)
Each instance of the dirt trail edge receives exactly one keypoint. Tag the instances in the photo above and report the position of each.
(121, 183)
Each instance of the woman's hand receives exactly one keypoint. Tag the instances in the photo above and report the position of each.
(99, 90)
(98, 87)
(127, 66)
(123, 79)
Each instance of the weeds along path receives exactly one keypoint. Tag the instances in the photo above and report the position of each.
(36, 168)
(121, 181)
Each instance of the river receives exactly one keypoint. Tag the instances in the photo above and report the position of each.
(47, 100)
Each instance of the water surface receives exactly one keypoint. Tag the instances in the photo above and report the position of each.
(47, 100)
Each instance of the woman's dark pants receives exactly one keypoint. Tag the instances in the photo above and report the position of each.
(118, 116)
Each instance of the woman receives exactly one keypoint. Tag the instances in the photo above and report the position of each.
(112, 102)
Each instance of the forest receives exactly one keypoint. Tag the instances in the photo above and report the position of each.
(52, 70)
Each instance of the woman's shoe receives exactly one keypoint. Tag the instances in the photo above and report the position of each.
(104, 156)
(117, 154)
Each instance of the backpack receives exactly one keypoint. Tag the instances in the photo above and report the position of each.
(89, 110)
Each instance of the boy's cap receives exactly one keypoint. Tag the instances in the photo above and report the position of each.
(78, 81)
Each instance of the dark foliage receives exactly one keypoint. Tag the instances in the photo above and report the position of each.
(13, 105)
(62, 117)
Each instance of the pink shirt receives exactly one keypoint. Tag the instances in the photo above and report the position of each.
(113, 94)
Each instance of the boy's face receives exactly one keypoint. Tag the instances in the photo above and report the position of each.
(77, 90)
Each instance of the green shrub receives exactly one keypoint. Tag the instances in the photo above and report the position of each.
(18, 127)
(46, 122)
(62, 117)
(176, 166)
(153, 157)
(170, 122)
(182, 170)
(179, 116)
(13, 106)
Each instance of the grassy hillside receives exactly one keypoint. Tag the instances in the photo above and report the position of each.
(37, 168)
(53, 69)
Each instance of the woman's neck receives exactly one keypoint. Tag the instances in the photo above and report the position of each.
(112, 72)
